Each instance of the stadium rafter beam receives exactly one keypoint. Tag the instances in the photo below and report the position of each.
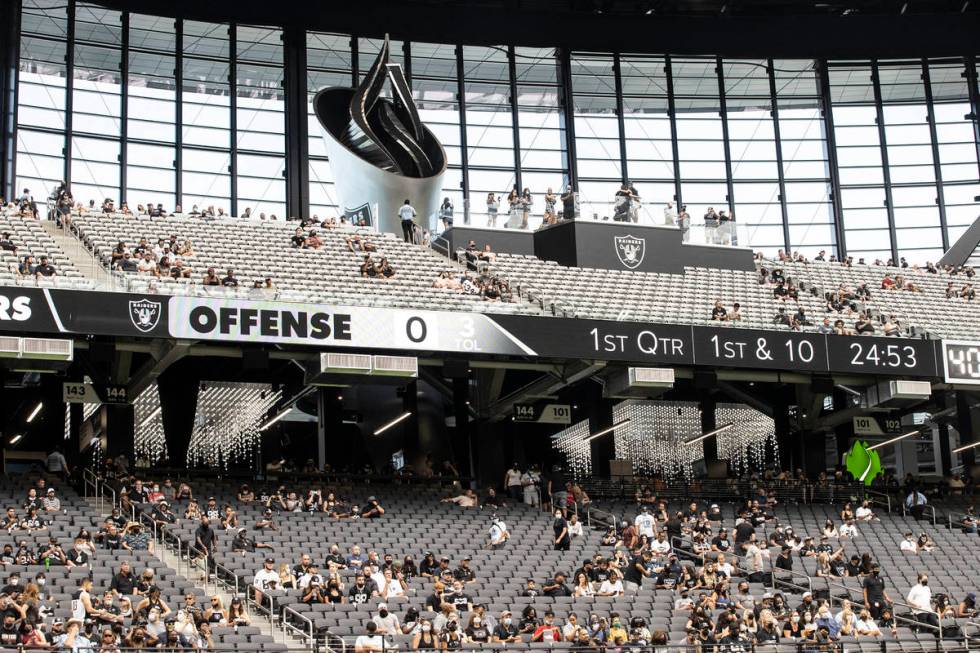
(549, 384)
(165, 353)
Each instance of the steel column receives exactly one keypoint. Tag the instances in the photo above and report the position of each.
(674, 149)
(9, 71)
(69, 89)
(883, 145)
(515, 121)
(233, 117)
(828, 125)
(566, 99)
(620, 119)
(934, 141)
(297, 171)
(124, 110)
(779, 153)
(464, 172)
(179, 112)
(723, 109)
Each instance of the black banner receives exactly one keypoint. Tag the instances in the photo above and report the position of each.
(50, 311)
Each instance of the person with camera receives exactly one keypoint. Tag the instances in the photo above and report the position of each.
(373, 509)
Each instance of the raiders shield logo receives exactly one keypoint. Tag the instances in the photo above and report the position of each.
(630, 250)
(144, 314)
(362, 212)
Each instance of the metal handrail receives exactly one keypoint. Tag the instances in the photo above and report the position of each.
(287, 626)
(874, 493)
(896, 617)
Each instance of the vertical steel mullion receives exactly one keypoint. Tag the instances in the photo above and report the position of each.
(674, 147)
(515, 122)
(779, 153)
(974, 90)
(407, 61)
(295, 90)
(883, 146)
(566, 99)
(8, 102)
(233, 117)
(934, 142)
(723, 110)
(620, 118)
(69, 88)
(464, 173)
(826, 101)
(355, 69)
(124, 110)
(179, 111)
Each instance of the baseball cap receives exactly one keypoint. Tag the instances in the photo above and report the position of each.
(270, 560)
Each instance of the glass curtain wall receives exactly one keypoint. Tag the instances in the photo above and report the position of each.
(143, 109)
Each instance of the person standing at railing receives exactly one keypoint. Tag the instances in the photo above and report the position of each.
(919, 599)
(876, 599)
(205, 540)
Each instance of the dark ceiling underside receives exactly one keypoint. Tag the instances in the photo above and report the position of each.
(777, 28)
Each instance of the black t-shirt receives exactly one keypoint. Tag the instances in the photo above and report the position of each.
(433, 602)
(721, 544)
(78, 557)
(112, 542)
(9, 636)
(784, 562)
(560, 589)
(298, 241)
(45, 270)
(206, 535)
(478, 634)
(123, 583)
(718, 312)
(632, 574)
(460, 601)
(464, 575)
(599, 575)
(875, 586)
(229, 281)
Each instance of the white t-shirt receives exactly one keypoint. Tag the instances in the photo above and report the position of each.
(660, 547)
(610, 587)
(644, 524)
(77, 605)
(863, 513)
(394, 588)
(575, 530)
(369, 643)
(266, 579)
(848, 530)
(389, 623)
(725, 568)
(909, 546)
(920, 598)
(497, 531)
(406, 212)
(513, 477)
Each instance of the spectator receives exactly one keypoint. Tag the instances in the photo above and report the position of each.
(229, 280)
(371, 641)
(407, 215)
(44, 269)
(718, 313)
(919, 599)
(562, 540)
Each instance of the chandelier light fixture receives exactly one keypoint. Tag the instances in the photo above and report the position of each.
(227, 426)
(665, 438)
(574, 444)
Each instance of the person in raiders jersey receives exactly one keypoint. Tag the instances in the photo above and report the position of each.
(7, 555)
(359, 592)
(265, 579)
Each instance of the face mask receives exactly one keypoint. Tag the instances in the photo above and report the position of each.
(426, 628)
(383, 613)
(925, 582)
(40, 581)
(796, 619)
(476, 623)
(152, 618)
(507, 621)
